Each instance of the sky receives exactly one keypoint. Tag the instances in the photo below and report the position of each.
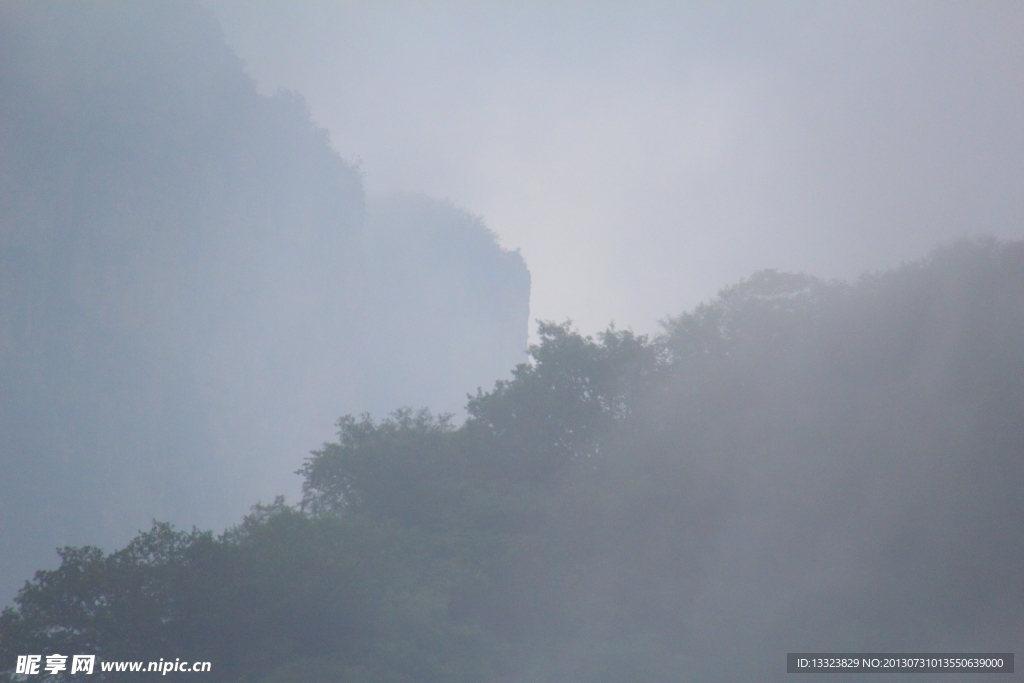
(644, 155)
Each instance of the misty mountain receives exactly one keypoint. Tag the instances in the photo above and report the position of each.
(795, 465)
(443, 301)
(191, 286)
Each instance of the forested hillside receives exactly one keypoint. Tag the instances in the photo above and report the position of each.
(190, 286)
(796, 465)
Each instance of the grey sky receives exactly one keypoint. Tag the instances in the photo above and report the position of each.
(642, 155)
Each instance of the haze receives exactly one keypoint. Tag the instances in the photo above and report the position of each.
(641, 155)
(210, 304)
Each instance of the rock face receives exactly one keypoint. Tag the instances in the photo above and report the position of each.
(191, 287)
(430, 266)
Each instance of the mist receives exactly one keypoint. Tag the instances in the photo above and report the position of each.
(641, 155)
(195, 287)
(509, 342)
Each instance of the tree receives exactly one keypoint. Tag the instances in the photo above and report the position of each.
(362, 598)
(556, 406)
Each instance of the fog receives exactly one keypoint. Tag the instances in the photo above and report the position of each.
(195, 287)
(331, 251)
(643, 154)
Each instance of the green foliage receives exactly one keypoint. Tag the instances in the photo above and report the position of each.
(793, 463)
(556, 407)
(112, 605)
(399, 467)
(768, 310)
(280, 588)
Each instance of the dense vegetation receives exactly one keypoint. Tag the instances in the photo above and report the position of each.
(797, 465)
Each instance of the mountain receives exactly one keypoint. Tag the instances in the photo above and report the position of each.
(794, 466)
(191, 287)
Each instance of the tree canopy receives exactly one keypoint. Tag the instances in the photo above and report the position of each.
(794, 465)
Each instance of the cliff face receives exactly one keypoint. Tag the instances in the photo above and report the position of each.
(189, 287)
(434, 273)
